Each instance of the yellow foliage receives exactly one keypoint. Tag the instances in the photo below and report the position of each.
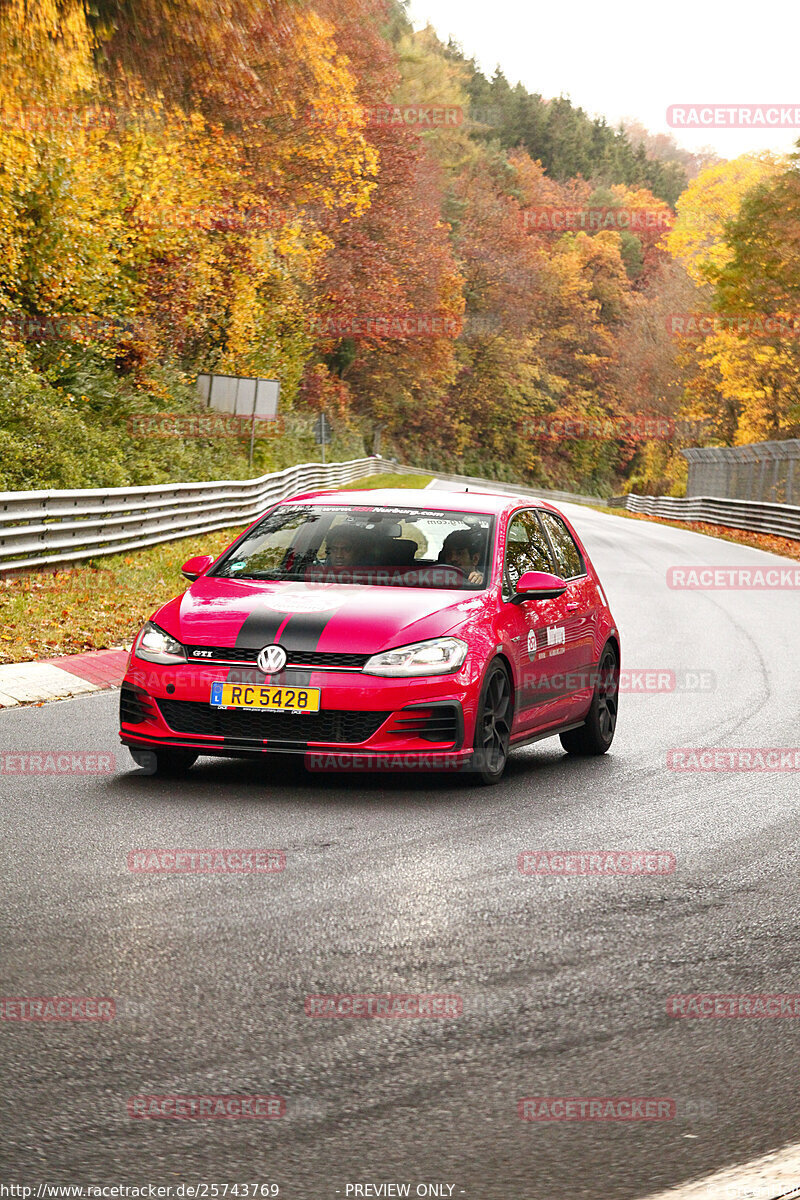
(709, 202)
(142, 212)
(327, 160)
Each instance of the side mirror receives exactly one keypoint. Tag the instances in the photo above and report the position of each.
(538, 585)
(193, 568)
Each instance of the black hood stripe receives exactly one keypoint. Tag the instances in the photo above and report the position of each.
(302, 631)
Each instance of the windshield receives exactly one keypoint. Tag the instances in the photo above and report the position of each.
(394, 547)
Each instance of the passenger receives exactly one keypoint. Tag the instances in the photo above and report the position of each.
(463, 548)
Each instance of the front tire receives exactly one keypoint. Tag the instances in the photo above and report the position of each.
(597, 733)
(166, 761)
(493, 725)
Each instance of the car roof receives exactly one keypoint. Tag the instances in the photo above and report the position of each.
(450, 501)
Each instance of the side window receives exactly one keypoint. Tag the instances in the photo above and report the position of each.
(569, 561)
(526, 549)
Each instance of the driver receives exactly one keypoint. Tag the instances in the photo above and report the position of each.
(462, 548)
(346, 546)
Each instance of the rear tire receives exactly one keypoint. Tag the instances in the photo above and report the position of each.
(597, 733)
(170, 762)
(493, 725)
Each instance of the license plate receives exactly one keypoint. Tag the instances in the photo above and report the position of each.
(270, 699)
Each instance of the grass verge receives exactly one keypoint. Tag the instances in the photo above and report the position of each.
(389, 481)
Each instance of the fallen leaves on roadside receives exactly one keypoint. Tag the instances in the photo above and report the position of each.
(770, 542)
(52, 613)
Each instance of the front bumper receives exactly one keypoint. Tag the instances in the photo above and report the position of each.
(361, 717)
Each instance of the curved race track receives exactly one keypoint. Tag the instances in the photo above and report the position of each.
(410, 884)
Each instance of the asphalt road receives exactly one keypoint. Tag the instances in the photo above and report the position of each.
(410, 884)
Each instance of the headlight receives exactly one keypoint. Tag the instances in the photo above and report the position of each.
(439, 656)
(154, 645)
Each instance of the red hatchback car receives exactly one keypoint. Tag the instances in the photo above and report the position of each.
(380, 629)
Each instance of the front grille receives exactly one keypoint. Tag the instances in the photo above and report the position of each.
(295, 658)
(324, 658)
(330, 725)
(134, 705)
(436, 723)
(224, 653)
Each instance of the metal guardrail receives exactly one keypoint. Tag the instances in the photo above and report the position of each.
(43, 528)
(757, 516)
(46, 527)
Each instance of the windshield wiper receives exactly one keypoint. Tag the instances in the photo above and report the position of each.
(276, 573)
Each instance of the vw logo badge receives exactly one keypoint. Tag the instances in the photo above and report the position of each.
(272, 659)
